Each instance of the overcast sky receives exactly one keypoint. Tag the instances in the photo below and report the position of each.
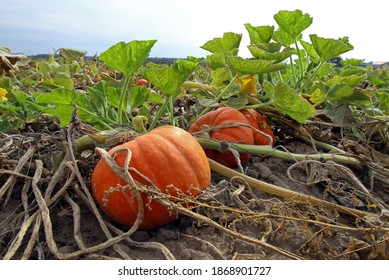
(181, 26)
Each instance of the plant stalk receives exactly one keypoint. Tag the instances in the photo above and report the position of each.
(207, 143)
(123, 99)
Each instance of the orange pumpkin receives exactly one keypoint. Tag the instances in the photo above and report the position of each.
(168, 156)
(259, 122)
(237, 134)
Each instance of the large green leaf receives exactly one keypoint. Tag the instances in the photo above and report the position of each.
(259, 34)
(351, 80)
(329, 48)
(229, 42)
(270, 51)
(293, 22)
(170, 79)
(62, 96)
(127, 57)
(281, 36)
(286, 100)
(60, 102)
(216, 60)
(244, 66)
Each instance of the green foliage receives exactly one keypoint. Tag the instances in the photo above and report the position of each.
(127, 57)
(286, 75)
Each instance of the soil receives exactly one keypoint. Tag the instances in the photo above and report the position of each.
(50, 216)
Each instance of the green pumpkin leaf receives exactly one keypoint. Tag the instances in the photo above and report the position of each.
(383, 99)
(309, 49)
(230, 41)
(139, 95)
(44, 67)
(71, 54)
(259, 34)
(61, 96)
(63, 80)
(339, 91)
(352, 62)
(216, 60)
(237, 102)
(281, 36)
(286, 100)
(253, 66)
(207, 102)
(293, 22)
(155, 98)
(270, 51)
(127, 57)
(63, 112)
(170, 79)
(351, 80)
(329, 48)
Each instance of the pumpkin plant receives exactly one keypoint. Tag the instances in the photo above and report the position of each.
(167, 156)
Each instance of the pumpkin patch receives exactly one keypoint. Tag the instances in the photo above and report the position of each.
(168, 156)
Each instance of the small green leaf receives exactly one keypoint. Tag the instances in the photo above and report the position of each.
(237, 102)
(339, 91)
(170, 79)
(127, 58)
(139, 95)
(383, 99)
(329, 48)
(63, 80)
(230, 41)
(352, 62)
(44, 67)
(71, 54)
(155, 98)
(309, 49)
(207, 102)
(220, 78)
(259, 34)
(253, 66)
(20, 96)
(64, 68)
(351, 80)
(293, 22)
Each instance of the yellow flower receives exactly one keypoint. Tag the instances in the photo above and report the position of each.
(247, 84)
(3, 93)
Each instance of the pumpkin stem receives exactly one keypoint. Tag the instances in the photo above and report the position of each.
(139, 123)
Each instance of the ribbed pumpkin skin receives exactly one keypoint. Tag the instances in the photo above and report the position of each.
(259, 122)
(237, 134)
(167, 155)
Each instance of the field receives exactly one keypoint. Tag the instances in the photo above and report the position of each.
(307, 179)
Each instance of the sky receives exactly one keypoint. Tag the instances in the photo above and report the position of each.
(181, 27)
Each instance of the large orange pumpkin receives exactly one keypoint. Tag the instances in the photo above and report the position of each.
(259, 122)
(237, 134)
(168, 156)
